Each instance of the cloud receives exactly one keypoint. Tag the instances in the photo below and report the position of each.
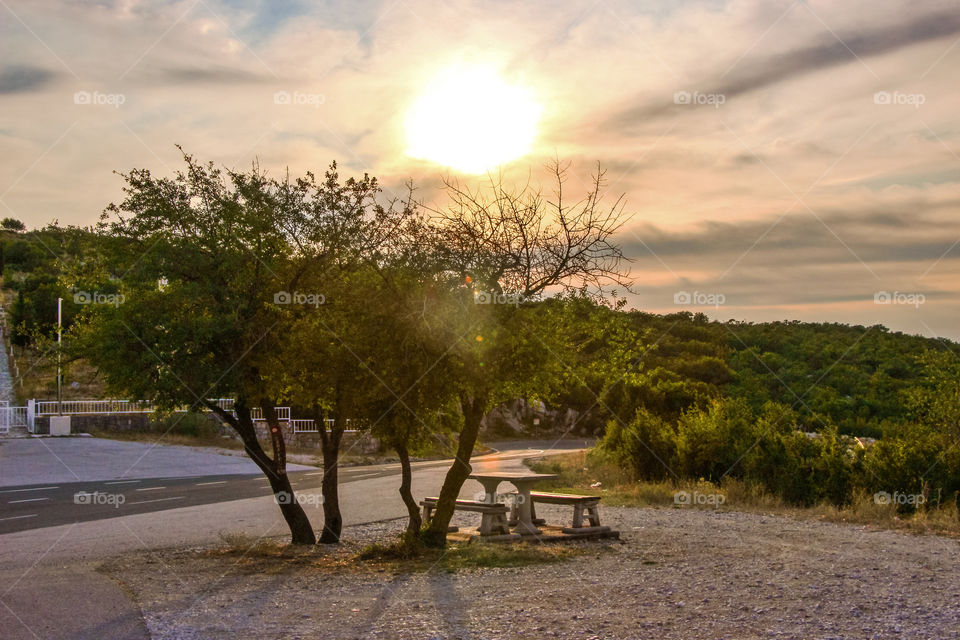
(828, 51)
(874, 236)
(24, 78)
(213, 75)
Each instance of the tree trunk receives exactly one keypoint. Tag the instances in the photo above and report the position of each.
(301, 531)
(332, 519)
(414, 521)
(474, 409)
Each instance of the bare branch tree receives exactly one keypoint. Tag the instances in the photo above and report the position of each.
(519, 241)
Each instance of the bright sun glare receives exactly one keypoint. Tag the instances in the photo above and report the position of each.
(471, 120)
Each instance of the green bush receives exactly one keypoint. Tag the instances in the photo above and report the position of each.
(914, 461)
(712, 442)
(196, 425)
(646, 446)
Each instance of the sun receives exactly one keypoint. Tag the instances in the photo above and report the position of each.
(471, 120)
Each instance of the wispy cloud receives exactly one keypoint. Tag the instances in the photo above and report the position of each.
(24, 78)
(828, 50)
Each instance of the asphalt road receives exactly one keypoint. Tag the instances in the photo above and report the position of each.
(48, 505)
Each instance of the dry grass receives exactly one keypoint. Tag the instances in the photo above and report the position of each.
(159, 437)
(409, 556)
(578, 473)
(38, 377)
(404, 555)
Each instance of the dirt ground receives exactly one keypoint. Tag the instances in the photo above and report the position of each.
(676, 573)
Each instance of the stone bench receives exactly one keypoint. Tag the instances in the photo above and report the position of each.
(493, 518)
(581, 504)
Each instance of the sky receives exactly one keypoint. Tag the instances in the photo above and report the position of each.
(778, 159)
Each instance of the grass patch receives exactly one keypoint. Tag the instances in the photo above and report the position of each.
(159, 437)
(274, 556)
(399, 556)
(408, 555)
(585, 474)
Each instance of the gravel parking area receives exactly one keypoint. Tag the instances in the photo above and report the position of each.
(677, 573)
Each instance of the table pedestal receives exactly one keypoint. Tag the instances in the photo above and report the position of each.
(524, 526)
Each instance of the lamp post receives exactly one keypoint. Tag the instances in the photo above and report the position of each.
(59, 339)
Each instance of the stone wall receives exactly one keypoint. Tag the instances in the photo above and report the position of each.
(116, 422)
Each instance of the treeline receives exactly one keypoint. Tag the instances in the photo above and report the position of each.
(33, 263)
(855, 379)
(793, 408)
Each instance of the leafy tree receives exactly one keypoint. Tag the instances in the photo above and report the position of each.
(219, 241)
(12, 224)
(505, 245)
(346, 242)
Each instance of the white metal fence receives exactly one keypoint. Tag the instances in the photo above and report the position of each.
(11, 417)
(310, 426)
(90, 407)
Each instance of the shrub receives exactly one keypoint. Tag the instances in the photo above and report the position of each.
(197, 425)
(712, 442)
(646, 446)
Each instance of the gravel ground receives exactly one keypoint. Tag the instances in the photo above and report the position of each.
(677, 573)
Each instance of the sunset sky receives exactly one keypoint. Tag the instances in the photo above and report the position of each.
(788, 159)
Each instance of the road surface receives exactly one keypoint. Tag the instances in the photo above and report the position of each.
(49, 586)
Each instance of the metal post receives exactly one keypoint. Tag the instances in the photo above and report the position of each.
(59, 339)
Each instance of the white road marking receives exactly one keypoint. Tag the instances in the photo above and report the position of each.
(360, 475)
(34, 489)
(28, 500)
(157, 500)
(122, 482)
(150, 488)
(32, 515)
(318, 473)
(202, 484)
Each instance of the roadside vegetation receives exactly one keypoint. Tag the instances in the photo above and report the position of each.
(589, 473)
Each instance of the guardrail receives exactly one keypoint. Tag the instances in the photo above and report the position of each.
(303, 426)
(87, 407)
(310, 426)
(283, 414)
(14, 417)
(25, 416)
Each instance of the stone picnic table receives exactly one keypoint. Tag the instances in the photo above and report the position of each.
(524, 483)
